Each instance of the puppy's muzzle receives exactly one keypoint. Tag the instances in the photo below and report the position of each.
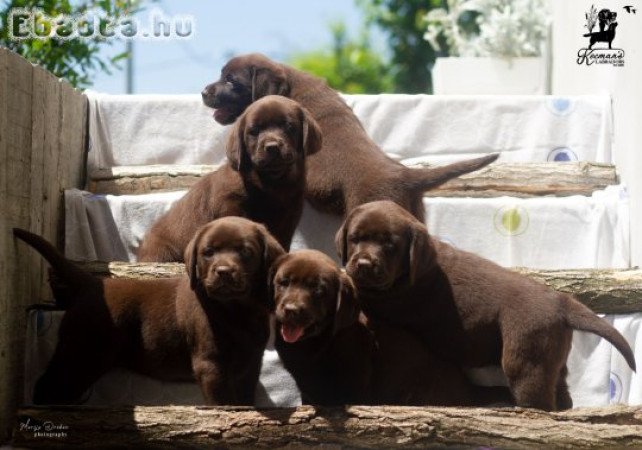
(226, 279)
(365, 270)
(274, 157)
(208, 95)
(294, 321)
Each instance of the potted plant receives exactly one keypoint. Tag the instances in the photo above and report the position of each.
(495, 46)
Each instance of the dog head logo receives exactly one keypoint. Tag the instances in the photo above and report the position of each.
(602, 29)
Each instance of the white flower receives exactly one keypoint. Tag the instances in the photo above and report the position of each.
(507, 28)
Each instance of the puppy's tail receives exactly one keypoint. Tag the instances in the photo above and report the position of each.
(580, 317)
(424, 179)
(69, 274)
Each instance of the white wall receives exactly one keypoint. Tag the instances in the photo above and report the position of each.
(623, 83)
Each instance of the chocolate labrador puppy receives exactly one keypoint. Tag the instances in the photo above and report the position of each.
(210, 325)
(466, 309)
(339, 357)
(318, 337)
(264, 180)
(350, 169)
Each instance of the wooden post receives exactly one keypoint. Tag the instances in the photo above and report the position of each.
(42, 143)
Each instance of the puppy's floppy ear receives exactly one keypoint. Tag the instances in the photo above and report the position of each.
(271, 274)
(312, 136)
(422, 255)
(271, 248)
(341, 238)
(269, 81)
(191, 259)
(347, 311)
(236, 149)
(341, 242)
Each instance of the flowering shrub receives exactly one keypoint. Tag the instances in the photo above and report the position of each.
(505, 28)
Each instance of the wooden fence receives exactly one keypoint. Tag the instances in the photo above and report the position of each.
(42, 152)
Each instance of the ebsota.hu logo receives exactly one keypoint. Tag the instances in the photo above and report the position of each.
(602, 27)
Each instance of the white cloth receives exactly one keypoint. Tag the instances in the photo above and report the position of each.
(598, 375)
(177, 129)
(592, 231)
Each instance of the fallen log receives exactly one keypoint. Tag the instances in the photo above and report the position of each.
(608, 291)
(513, 179)
(336, 428)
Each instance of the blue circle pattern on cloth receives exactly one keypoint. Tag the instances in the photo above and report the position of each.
(562, 154)
(560, 106)
(615, 388)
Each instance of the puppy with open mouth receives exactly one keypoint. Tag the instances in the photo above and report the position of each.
(264, 180)
(337, 356)
(318, 336)
(350, 169)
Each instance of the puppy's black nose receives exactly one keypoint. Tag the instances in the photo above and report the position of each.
(272, 148)
(225, 272)
(364, 264)
(291, 310)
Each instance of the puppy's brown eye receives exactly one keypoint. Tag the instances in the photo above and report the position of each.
(283, 282)
(289, 127)
(254, 131)
(208, 251)
(354, 239)
(389, 246)
(320, 291)
(246, 252)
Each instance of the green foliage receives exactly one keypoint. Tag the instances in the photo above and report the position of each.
(404, 23)
(350, 66)
(76, 60)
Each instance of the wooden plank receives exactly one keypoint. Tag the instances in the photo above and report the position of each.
(51, 201)
(514, 179)
(73, 135)
(7, 397)
(143, 179)
(38, 171)
(530, 179)
(335, 428)
(32, 175)
(608, 291)
(15, 129)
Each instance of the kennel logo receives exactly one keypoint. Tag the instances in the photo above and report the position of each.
(602, 32)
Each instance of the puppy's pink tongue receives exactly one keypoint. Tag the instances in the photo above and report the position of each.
(291, 333)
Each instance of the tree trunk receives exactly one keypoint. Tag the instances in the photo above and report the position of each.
(337, 428)
(608, 291)
(514, 179)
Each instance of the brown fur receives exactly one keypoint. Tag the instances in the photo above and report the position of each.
(350, 169)
(466, 309)
(210, 325)
(264, 180)
(337, 359)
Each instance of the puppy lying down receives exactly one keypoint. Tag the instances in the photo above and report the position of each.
(466, 309)
(210, 325)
